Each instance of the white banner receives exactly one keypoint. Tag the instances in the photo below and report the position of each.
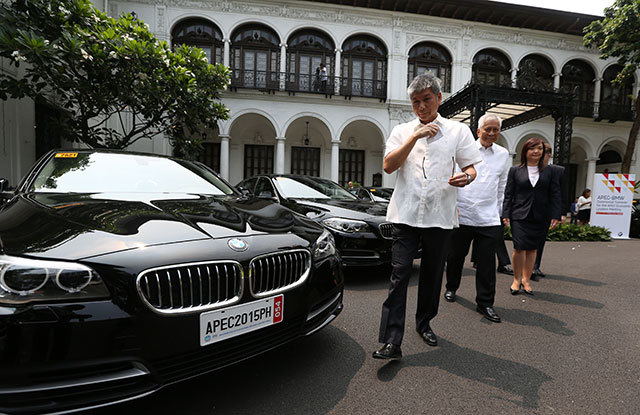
(611, 201)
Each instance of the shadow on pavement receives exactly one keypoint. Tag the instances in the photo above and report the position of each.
(575, 280)
(565, 299)
(533, 319)
(306, 376)
(511, 377)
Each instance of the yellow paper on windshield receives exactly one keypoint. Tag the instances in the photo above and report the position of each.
(66, 155)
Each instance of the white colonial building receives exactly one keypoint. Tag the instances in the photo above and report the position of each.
(287, 116)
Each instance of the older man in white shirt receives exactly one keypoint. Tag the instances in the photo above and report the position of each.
(424, 152)
(479, 207)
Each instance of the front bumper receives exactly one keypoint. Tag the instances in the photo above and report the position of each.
(67, 357)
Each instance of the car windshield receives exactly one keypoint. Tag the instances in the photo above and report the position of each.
(83, 172)
(312, 188)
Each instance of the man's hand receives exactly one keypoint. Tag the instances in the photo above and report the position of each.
(505, 221)
(554, 223)
(458, 180)
(426, 130)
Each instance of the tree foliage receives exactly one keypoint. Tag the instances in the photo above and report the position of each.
(617, 35)
(113, 80)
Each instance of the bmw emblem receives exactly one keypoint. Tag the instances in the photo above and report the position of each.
(238, 244)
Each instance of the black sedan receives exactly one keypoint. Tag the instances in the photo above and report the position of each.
(121, 273)
(362, 234)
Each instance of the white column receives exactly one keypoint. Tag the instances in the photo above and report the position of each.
(338, 67)
(224, 156)
(591, 170)
(596, 97)
(556, 80)
(283, 65)
(514, 75)
(226, 57)
(335, 155)
(280, 155)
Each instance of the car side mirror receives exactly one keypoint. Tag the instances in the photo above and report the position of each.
(5, 193)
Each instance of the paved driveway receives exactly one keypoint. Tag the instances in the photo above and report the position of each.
(573, 348)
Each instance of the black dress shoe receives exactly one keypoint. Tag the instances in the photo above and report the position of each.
(388, 351)
(429, 337)
(514, 292)
(489, 313)
(450, 296)
(538, 273)
(534, 277)
(505, 270)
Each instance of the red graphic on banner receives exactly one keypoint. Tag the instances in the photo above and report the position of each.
(613, 182)
(626, 176)
(277, 309)
(606, 175)
(618, 189)
(633, 182)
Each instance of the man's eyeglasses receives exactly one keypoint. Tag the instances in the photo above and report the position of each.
(453, 170)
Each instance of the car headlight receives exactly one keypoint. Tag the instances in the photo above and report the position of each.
(25, 280)
(346, 225)
(325, 246)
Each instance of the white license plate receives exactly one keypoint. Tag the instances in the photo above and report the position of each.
(229, 322)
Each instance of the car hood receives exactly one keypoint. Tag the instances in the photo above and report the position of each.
(352, 209)
(75, 226)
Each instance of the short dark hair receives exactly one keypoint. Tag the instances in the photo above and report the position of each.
(532, 142)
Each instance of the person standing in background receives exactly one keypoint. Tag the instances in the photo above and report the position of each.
(584, 207)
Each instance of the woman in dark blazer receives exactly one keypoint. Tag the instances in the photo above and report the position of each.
(532, 197)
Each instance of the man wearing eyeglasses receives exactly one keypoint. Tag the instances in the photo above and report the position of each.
(560, 177)
(479, 207)
(425, 153)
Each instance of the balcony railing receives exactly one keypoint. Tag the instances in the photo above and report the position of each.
(254, 79)
(614, 112)
(294, 83)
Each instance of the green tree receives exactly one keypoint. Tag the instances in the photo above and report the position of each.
(113, 80)
(618, 35)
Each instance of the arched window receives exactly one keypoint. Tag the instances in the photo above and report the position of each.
(609, 157)
(307, 50)
(364, 67)
(255, 57)
(577, 78)
(535, 72)
(491, 67)
(200, 33)
(428, 56)
(615, 100)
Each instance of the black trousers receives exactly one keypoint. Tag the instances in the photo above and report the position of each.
(406, 242)
(485, 240)
(536, 265)
(501, 251)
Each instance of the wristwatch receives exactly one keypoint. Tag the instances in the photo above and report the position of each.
(469, 179)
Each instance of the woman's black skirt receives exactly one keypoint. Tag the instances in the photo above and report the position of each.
(528, 234)
(584, 215)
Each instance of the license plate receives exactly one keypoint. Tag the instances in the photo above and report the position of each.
(224, 324)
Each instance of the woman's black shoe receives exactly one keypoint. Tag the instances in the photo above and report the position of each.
(514, 292)
(528, 292)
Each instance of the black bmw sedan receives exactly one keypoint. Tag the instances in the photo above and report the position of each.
(362, 235)
(121, 273)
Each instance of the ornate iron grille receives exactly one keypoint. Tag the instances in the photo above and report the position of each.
(278, 272)
(188, 288)
(386, 230)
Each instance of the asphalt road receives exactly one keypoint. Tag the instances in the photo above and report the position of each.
(573, 348)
